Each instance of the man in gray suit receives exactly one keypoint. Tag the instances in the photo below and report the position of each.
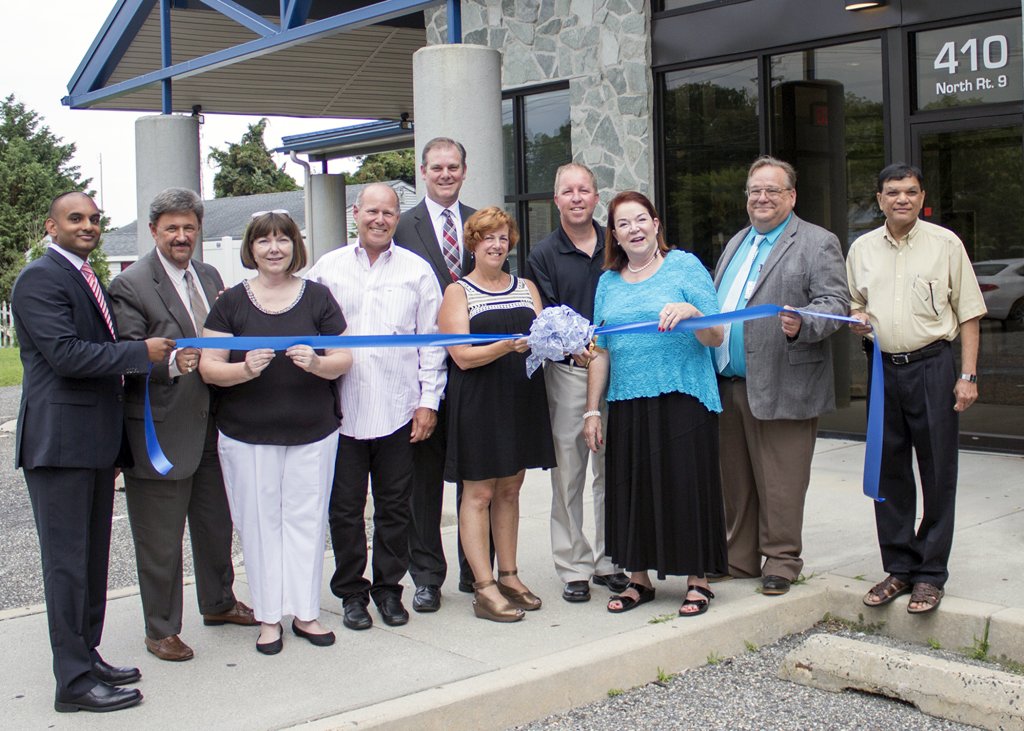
(775, 375)
(166, 293)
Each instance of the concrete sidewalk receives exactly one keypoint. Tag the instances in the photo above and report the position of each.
(451, 670)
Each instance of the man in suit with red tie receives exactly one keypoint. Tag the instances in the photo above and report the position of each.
(166, 293)
(433, 230)
(70, 434)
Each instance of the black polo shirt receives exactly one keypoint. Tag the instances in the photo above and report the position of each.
(564, 274)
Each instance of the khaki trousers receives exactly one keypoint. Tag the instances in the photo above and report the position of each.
(766, 468)
(575, 559)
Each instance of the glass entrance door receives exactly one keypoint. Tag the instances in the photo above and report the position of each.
(974, 184)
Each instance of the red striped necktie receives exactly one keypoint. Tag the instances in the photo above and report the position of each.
(450, 245)
(94, 286)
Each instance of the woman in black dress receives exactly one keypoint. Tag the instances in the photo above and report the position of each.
(498, 417)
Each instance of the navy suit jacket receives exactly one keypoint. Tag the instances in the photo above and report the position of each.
(415, 232)
(71, 411)
(147, 305)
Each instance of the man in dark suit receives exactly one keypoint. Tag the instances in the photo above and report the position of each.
(433, 230)
(167, 294)
(775, 375)
(70, 433)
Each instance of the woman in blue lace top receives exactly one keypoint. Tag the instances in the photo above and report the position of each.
(663, 497)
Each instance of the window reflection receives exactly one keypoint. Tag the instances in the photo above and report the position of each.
(547, 140)
(711, 137)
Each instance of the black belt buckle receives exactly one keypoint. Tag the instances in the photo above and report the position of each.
(899, 358)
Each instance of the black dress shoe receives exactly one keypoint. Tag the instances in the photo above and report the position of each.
(392, 611)
(100, 699)
(576, 591)
(322, 640)
(356, 616)
(774, 585)
(466, 587)
(111, 675)
(427, 598)
(616, 582)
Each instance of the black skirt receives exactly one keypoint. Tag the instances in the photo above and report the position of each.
(663, 491)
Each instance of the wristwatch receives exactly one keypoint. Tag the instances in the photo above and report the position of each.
(969, 377)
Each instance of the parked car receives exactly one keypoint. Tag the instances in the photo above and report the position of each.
(1002, 285)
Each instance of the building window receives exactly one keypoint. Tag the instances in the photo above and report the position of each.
(711, 136)
(537, 139)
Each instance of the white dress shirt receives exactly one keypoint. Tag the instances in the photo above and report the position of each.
(398, 295)
(177, 277)
(435, 210)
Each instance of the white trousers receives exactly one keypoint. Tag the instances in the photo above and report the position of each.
(574, 558)
(279, 497)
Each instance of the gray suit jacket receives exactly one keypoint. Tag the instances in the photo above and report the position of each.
(147, 305)
(793, 379)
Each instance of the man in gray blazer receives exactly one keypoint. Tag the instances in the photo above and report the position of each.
(167, 293)
(775, 375)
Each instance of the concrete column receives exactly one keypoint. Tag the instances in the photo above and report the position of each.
(166, 156)
(457, 94)
(326, 214)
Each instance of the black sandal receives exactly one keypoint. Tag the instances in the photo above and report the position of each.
(644, 594)
(701, 604)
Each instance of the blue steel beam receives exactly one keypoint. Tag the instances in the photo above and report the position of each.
(243, 16)
(166, 103)
(454, 21)
(375, 13)
(296, 13)
(111, 43)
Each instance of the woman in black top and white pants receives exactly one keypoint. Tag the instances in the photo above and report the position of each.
(278, 423)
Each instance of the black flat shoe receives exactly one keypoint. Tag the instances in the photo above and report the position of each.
(576, 591)
(355, 616)
(322, 640)
(100, 699)
(427, 598)
(392, 611)
(615, 583)
(111, 675)
(644, 594)
(272, 648)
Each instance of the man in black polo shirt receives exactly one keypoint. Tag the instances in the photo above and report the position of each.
(566, 265)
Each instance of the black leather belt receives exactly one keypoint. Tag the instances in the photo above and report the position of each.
(928, 351)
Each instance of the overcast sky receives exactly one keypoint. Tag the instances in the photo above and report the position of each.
(43, 45)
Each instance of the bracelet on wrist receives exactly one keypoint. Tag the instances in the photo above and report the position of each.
(588, 414)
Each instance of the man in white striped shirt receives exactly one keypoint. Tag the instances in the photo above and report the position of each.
(389, 401)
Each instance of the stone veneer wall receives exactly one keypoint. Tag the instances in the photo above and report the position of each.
(603, 48)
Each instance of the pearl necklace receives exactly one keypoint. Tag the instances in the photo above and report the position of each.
(641, 268)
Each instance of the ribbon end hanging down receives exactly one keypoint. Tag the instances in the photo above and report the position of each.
(875, 433)
(156, 455)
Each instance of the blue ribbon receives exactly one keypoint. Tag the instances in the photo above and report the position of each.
(872, 454)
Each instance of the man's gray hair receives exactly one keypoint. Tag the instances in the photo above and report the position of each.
(176, 200)
(384, 186)
(769, 161)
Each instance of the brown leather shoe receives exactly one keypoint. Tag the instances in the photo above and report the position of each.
(169, 648)
(238, 614)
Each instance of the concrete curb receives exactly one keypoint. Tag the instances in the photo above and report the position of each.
(966, 694)
(558, 682)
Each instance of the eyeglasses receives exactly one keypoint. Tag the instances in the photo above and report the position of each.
(277, 211)
(773, 193)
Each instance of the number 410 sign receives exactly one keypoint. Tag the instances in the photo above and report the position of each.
(969, 65)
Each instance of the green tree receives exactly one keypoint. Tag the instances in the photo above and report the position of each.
(381, 167)
(35, 166)
(246, 167)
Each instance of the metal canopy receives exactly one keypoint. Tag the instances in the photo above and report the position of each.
(360, 139)
(316, 58)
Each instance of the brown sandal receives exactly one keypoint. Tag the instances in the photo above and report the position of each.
(927, 594)
(885, 591)
(525, 599)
